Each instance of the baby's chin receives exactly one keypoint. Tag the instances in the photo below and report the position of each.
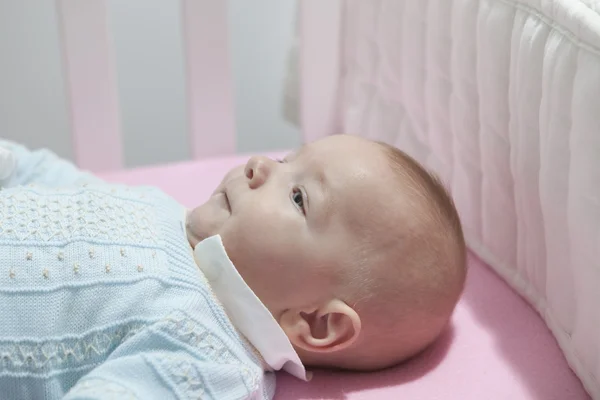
(207, 219)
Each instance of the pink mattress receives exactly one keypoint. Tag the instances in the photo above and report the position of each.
(497, 348)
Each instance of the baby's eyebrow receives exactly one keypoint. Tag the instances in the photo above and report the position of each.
(322, 180)
(325, 204)
(298, 151)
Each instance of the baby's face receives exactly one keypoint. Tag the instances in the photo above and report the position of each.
(290, 225)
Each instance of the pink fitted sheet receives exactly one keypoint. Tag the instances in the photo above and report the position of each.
(497, 348)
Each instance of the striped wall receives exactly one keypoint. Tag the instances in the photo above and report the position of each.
(114, 84)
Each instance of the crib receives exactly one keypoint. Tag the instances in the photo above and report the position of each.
(499, 97)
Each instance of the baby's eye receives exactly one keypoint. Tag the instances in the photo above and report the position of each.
(279, 160)
(298, 199)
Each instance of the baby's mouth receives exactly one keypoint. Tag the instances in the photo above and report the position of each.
(226, 200)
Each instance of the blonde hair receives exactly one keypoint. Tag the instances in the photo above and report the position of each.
(407, 288)
(436, 208)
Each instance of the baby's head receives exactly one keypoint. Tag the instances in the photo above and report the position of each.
(353, 247)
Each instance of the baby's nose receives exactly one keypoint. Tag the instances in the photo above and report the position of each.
(258, 169)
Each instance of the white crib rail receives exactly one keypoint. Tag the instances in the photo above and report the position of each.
(92, 91)
(209, 76)
(91, 84)
(320, 26)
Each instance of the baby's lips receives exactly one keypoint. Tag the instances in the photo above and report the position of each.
(219, 189)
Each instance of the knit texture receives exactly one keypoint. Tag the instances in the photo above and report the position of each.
(101, 297)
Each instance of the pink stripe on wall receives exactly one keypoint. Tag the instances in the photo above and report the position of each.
(210, 96)
(90, 77)
(320, 25)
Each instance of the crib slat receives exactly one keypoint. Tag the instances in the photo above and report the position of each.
(210, 97)
(91, 84)
(320, 25)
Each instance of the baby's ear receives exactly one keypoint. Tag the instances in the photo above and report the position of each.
(332, 327)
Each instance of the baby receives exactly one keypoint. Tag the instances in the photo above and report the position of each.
(345, 254)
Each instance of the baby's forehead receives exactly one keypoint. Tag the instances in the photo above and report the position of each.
(360, 178)
(341, 159)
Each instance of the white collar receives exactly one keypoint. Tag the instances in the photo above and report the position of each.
(246, 311)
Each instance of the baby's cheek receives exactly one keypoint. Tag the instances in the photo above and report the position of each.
(246, 253)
